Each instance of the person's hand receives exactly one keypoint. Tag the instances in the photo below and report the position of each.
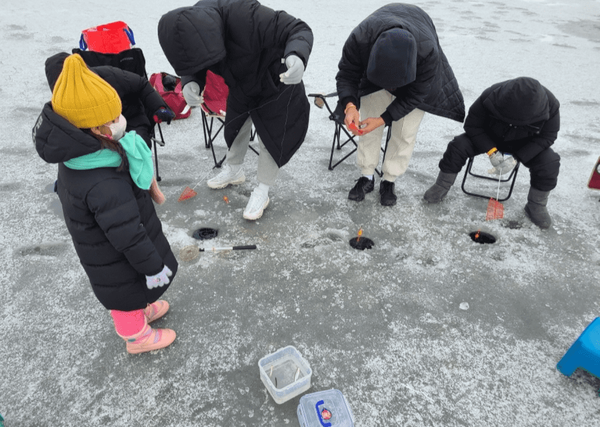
(352, 119)
(191, 94)
(496, 158)
(164, 114)
(505, 167)
(370, 124)
(295, 71)
(160, 279)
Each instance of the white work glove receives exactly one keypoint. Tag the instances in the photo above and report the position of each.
(293, 75)
(505, 167)
(191, 93)
(160, 279)
(496, 158)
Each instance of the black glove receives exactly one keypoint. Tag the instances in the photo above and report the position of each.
(164, 115)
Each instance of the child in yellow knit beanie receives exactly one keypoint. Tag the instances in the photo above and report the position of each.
(103, 178)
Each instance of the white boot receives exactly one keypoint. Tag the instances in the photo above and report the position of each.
(229, 175)
(259, 200)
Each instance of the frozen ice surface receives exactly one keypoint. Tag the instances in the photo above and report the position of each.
(384, 325)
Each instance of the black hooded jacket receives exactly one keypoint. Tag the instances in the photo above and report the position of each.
(244, 42)
(435, 89)
(112, 222)
(518, 116)
(139, 99)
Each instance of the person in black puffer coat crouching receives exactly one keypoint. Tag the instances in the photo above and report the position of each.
(519, 117)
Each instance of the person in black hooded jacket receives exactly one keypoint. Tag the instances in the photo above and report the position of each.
(261, 54)
(520, 117)
(392, 71)
(103, 177)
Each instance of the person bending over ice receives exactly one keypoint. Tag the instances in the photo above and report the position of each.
(392, 71)
(261, 54)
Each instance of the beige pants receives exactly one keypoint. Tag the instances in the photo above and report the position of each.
(402, 141)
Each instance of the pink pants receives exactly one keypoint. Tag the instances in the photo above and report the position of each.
(128, 323)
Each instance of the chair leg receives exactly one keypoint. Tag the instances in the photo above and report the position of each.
(206, 130)
(568, 363)
(158, 178)
(162, 144)
(336, 141)
(336, 138)
(512, 176)
(384, 150)
(209, 136)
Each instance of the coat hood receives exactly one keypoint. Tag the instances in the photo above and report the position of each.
(53, 68)
(521, 101)
(393, 59)
(56, 140)
(192, 38)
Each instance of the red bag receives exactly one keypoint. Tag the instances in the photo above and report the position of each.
(169, 87)
(108, 38)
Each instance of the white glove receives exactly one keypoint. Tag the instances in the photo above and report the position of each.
(293, 75)
(505, 167)
(496, 158)
(191, 93)
(159, 279)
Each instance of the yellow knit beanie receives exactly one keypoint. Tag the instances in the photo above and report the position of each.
(82, 97)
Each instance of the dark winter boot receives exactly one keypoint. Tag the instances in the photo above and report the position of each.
(363, 186)
(536, 208)
(441, 187)
(386, 191)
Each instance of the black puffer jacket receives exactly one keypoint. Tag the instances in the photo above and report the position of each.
(112, 222)
(435, 89)
(244, 42)
(139, 99)
(518, 116)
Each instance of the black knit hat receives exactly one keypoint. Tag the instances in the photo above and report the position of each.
(393, 59)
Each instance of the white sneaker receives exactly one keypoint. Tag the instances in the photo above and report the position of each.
(227, 176)
(257, 204)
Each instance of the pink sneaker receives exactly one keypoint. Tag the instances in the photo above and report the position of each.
(149, 339)
(156, 310)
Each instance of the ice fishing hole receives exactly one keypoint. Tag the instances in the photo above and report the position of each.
(361, 243)
(205, 233)
(482, 237)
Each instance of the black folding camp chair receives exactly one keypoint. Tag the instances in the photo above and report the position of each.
(338, 120)
(213, 113)
(132, 60)
(512, 177)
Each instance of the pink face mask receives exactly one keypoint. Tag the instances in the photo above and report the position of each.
(118, 128)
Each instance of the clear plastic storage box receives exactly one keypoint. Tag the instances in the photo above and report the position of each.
(285, 373)
(328, 408)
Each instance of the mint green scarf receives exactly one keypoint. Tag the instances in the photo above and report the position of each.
(138, 155)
